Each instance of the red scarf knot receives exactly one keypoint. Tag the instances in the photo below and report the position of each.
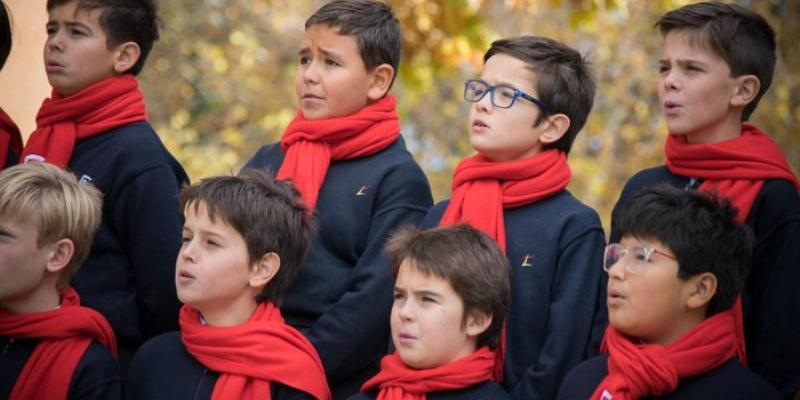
(311, 145)
(736, 169)
(251, 355)
(641, 370)
(65, 333)
(482, 189)
(396, 381)
(63, 121)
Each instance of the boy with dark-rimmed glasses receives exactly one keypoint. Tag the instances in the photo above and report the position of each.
(539, 95)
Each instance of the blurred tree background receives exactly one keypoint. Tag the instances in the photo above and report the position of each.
(219, 84)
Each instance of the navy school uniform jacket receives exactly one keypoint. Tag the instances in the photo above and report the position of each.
(555, 247)
(342, 295)
(163, 370)
(129, 276)
(770, 299)
(729, 381)
(481, 391)
(96, 376)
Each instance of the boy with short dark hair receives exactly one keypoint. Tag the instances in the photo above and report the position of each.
(345, 154)
(717, 61)
(244, 239)
(95, 125)
(52, 347)
(10, 138)
(680, 265)
(532, 99)
(451, 295)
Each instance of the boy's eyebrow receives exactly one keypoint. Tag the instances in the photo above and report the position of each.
(328, 53)
(682, 61)
(427, 293)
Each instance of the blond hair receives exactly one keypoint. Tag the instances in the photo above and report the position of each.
(58, 205)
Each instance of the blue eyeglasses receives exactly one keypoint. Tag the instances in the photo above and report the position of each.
(502, 96)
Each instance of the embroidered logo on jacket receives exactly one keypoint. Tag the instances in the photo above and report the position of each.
(85, 179)
(606, 395)
(362, 191)
(527, 260)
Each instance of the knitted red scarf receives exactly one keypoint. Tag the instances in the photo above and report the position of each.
(311, 145)
(251, 355)
(65, 334)
(482, 189)
(736, 169)
(10, 138)
(100, 107)
(397, 381)
(640, 370)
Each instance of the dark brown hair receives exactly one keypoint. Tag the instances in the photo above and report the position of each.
(124, 21)
(564, 80)
(267, 213)
(376, 29)
(739, 36)
(700, 229)
(469, 260)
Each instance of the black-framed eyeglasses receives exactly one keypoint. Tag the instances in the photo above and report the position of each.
(502, 96)
(641, 256)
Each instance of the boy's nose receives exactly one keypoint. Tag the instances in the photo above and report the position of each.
(670, 81)
(617, 271)
(405, 311)
(311, 73)
(188, 251)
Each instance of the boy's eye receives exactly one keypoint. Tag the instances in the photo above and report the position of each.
(331, 62)
(212, 243)
(428, 299)
(505, 92)
(399, 296)
(640, 254)
(186, 239)
(662, 69)
(51, 30)
(76, 32)
(304, 60)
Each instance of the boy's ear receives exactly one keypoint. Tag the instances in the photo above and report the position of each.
(747, 87)
(126, 56)
(60, 255)
(701, 288)
(380, 80)
(477, 323)
(553, 128)
(265, 269)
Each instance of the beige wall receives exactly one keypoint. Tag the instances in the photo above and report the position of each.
(23, 82)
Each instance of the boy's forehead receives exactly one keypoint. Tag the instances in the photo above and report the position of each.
(695, 41)
(73, 11)
(413, 278)
(506, 69)
(328, 37)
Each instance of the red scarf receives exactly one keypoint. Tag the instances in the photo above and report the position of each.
(311, 145)
(251, 355)
(736, 169)
(65, 334)
(482, 189)
(100, 107)
(640, 370)
(397, 381)
(10, 138)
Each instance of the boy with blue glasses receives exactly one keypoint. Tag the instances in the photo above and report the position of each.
(539, 95)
